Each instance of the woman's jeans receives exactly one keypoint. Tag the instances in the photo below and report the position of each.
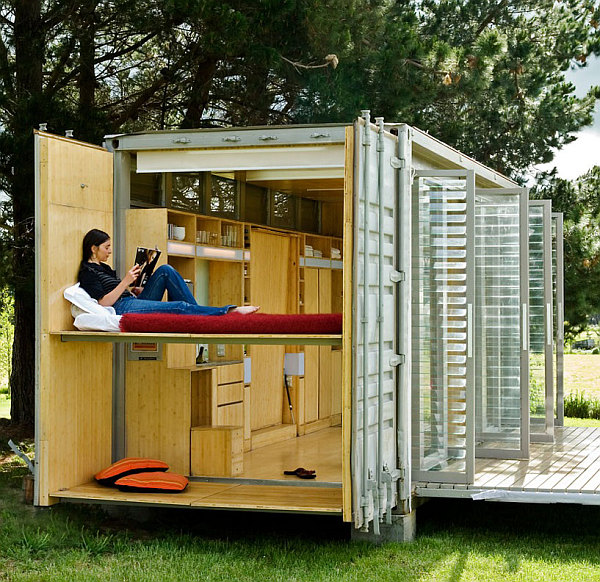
(179, 298)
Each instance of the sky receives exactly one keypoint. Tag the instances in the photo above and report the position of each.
(579, 156)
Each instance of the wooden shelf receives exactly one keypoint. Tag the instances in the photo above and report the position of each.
(188, 338)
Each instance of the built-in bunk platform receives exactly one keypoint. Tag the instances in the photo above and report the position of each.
(291, 499)
(189, 338)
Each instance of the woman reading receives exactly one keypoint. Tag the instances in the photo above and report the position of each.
(101, 283)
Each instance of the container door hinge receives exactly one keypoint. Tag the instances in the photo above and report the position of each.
(389, 478)
(397, 163)
(397, 276)
(397, 360)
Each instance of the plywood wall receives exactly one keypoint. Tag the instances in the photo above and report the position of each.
(270, 286)
(74, 381)
(158, 413)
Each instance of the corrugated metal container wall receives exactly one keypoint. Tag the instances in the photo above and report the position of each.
(374, 308)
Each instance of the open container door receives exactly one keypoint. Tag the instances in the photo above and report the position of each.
(558, 301)
(540, 321)
(375, 359)
(73, 392)
(443, 362)
(502, 364)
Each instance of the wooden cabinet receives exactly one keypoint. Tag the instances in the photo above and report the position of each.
(230, 262)
(218, 396)
(321, 392)
(216, 451)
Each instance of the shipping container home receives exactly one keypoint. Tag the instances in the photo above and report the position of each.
(423, 250)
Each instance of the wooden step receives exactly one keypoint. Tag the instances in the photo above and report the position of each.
(272, 434)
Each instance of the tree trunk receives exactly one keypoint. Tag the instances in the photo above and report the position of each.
(29, 47)
(199, 93)
(88, 128)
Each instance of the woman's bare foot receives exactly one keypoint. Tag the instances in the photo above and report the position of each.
(246, 309)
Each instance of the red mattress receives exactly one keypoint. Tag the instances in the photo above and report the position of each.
(254, 323)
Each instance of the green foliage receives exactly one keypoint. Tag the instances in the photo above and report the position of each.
(456, 540)
(579, 201)
(578, 405)
(6, 339)
(487, 77)
(537, 395)
(35, 541)
(95, 543)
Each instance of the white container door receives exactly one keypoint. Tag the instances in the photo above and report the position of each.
(374, 362)
(501, 296)
(443, 350)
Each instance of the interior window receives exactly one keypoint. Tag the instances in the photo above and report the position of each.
(224, 197)
(187, 192)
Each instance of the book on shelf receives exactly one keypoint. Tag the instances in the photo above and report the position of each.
(146, 259)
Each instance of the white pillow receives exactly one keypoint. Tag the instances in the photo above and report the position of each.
(98, 322)
(81, 302)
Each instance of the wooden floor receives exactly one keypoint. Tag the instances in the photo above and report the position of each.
(320, 451)
(569, 467)
(219, 495)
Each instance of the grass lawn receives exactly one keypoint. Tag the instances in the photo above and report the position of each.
(457, 541)
(4, 406)
(582, 374)
(582, 421)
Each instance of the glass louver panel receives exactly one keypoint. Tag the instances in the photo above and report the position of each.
(541, 389)
(501, 419)
(443, 448)
(558, 312)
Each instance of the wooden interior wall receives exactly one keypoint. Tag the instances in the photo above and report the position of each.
(322, 397)
(74, 387)
(270, 286)
(330, 218)
(325, 362)
(311, 353)
(146, 227)
(226, 287)
(158, 413)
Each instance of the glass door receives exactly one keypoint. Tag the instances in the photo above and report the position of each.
(559, 317)
(541, 382)
(442, 328)
(501, 365)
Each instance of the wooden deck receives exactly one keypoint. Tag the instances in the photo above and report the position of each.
(566, 471)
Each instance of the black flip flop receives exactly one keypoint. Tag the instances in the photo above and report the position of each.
(300, 471)
(307, 475)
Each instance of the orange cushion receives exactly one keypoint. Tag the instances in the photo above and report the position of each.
(153, 483)
(128, 466)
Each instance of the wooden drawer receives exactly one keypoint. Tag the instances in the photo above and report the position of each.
(230, 373)
(231, 415)
(228, 393)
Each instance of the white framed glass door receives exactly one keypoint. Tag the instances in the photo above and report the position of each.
(442, 329)
(541, 332)
(558, 300)
(501, 297)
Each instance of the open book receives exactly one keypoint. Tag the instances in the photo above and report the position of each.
(147, 259)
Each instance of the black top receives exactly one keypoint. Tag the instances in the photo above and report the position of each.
(98, 280)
